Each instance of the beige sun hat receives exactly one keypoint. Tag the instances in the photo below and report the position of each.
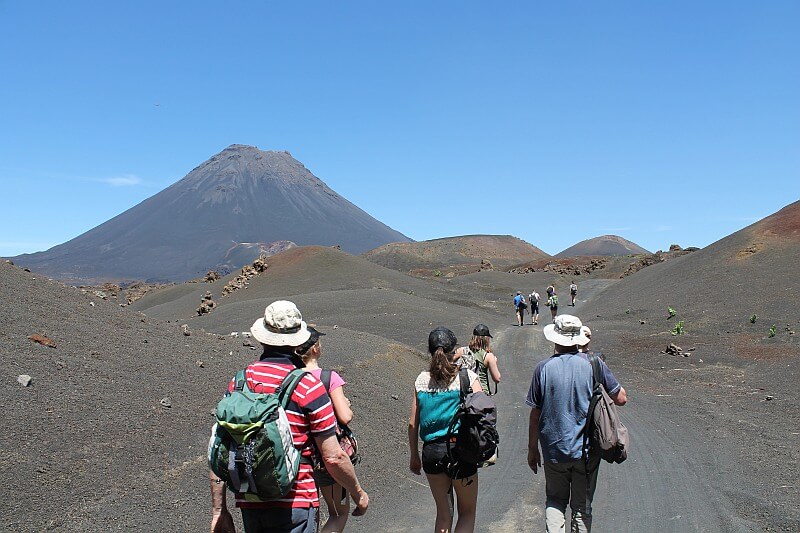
(282, 325)
(567, 330)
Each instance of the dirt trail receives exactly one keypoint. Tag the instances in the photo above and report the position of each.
(663, 487)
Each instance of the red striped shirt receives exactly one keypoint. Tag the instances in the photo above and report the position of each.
(310, 414)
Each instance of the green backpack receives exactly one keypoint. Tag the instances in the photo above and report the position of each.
(251, 446)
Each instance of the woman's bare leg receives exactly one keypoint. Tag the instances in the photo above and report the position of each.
(338, 510)
(440, 487)
(467, 503)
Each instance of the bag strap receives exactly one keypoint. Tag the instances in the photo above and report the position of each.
(463, 377)
(596, 395)
(325, 378)
(464, 386)
(240, 381)
(287, 386)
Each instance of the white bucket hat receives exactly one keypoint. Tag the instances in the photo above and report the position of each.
(282, 325)
(567, 330)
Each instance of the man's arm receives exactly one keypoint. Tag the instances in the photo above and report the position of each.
(534, 459)
(221, 519)
(338, 465)
(620, 397)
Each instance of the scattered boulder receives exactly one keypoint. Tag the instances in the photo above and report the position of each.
(675, 248)
(24, 380)
(41, 339)
(165, 402)
(486, 265)
(674, 349)
(185, 330)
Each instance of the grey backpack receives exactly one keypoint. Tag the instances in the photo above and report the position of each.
(605, 432)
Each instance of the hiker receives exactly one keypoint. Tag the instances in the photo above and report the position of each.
(550, 290)
(534, 298)
(437, 395)
(552, 303)
(311, 417)
(519, 307)
(560, 392)
(478, 356)
(573, 292)
(333, 493)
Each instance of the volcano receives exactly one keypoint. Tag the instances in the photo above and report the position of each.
(241, 199)
(606, 245)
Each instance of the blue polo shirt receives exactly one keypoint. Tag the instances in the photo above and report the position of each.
(561, 388)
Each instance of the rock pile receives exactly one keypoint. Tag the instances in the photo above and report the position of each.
(210, 277)
(486, 265)
(248, 272)
(658, 257)
(207, 304)
(565, 268)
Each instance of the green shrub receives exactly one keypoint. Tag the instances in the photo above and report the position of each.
(678, 329)
(437, 273)
(753, 319)
(772, 331)
(672, 312)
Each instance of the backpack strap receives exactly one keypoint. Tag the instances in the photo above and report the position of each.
(463, 377)
(325, 378)
(596, 382)
(240, 381)
(464, 385)
(287, 386)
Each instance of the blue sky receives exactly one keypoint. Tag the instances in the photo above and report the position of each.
(670, 122)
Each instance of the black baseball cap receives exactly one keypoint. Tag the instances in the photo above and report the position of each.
(482, 330)
(443, 338)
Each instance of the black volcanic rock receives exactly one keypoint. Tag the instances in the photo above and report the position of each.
(240, 196)
(607, 245)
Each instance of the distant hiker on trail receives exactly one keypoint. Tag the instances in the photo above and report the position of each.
(573, 292)
(552, 303)
(534, 301)
(437, 395)
(551, 290)
(478, 356)
(560, 392)
(333, 493)
(311, 419)
(519, 307)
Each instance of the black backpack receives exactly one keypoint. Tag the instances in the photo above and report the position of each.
(476, 439)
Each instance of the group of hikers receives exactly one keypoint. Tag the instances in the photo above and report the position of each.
(520, 304)
(315, 414)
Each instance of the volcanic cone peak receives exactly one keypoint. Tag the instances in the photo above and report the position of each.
(241, 196)
(607, 245)
(239, 163)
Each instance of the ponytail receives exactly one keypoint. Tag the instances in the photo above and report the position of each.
(443, 369)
